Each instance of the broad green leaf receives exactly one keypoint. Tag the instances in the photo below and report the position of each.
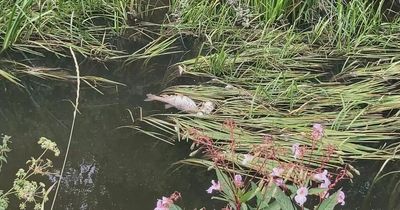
(243, 207)
(174, 207)
(284, 201)
(330, 202)
(250, 194)
(264, 196)
(220, 198)
(273, 206)
(292, 188)
(226, 185)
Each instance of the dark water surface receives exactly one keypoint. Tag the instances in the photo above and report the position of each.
(107, 168)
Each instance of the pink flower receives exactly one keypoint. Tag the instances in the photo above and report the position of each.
(301, 196)
(317, 132)
(321, 176)
(214, 186)
(325, 184)
(277, 171)
(296, 150)
(279, 182)
(341, 197)
(163, 204)
(167, 201)
(238, 181)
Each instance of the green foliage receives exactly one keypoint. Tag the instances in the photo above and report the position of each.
(52, 25)
(265, 195)
(175, 207)
(26, 190)
(4, 149)
(281, 198)
(330, 202)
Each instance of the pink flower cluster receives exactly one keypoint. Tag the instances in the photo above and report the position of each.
(166, 202)
(301, 196)
(216, 186)
(297, 151)
(238, 181)
(341, 197)
(163, 204)
(323, 178)
(302, 192)
(276, 173)
(317, 132)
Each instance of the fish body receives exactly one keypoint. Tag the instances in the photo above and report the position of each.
(207, 107)
(180, 102)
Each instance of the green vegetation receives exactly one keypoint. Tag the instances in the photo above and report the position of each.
(275, 78)
(30, 193)
(275, 68)
(93, 29)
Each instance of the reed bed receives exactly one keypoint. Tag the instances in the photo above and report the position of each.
(284, 71)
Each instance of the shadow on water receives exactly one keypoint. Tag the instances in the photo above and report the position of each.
(107, 168)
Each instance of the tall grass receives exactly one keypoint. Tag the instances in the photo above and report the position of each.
(55, 25)
(93, 29)
(342, 25)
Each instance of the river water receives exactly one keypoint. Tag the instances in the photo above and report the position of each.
(107, 167)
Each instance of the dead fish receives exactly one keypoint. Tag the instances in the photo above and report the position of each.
(207, 107)
(180, 102)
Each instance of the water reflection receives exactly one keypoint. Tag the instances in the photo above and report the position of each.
(107, 168)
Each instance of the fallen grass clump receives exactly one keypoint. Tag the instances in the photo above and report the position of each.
(284, 104)
(274, 79)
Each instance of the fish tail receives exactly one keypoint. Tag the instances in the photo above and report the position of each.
(151, 97)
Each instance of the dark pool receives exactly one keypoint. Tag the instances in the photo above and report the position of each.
(107, 168)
